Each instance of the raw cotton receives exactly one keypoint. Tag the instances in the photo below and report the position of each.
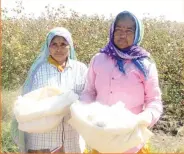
(48, 105)
(108, 129)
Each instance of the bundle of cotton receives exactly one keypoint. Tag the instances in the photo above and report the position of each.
(48, 105)
(108, 129)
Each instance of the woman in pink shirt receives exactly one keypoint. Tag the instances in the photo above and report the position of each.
(124, 71)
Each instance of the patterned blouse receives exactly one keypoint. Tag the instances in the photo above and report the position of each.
(73, 77)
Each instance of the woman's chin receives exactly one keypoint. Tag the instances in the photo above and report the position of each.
(59, 58)
(123, 46)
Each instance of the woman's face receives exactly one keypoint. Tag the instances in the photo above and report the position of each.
(124, 33)
(59, 48)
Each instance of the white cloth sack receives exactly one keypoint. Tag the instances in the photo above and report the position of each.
(42, 110)
(108, 129)
(41, 125)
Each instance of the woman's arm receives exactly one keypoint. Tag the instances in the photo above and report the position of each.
(153, 103)
(89, 93)
(81, 78)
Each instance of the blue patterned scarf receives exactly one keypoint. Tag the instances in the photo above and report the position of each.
(43, 56)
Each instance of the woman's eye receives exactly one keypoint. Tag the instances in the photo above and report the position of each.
(63, 44)
(117, 30)
(54, 44)
(129, 31)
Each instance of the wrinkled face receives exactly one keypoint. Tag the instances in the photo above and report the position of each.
(124, 33)
(59, 48)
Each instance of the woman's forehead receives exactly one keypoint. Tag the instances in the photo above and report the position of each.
(58, 38)
(125, 23)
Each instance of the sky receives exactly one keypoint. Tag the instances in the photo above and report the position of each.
(172, 9)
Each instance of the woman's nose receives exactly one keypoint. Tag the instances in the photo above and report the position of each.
(59, 49)
(123, 35)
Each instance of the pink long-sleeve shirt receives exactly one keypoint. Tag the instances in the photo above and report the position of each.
(107, 85)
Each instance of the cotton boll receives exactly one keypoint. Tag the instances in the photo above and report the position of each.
(96, 114)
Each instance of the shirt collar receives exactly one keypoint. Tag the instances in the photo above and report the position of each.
(69, 63)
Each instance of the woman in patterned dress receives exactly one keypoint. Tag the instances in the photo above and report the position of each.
(55, 66)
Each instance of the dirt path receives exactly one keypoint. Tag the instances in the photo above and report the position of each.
(169, 144)
(169, 131)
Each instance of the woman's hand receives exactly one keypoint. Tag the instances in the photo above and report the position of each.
(145, 118)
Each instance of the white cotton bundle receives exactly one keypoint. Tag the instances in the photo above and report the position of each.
(27, 110)
(108, 128)
(42, 125)
(103, 116)
(39, 108)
